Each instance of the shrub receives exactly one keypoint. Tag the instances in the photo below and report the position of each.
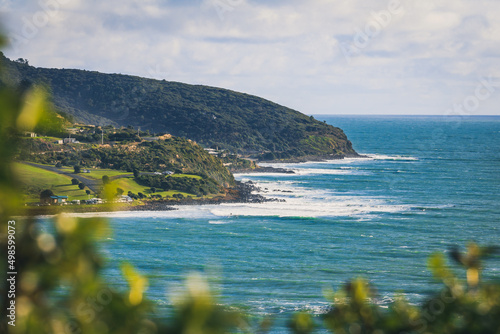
(132, 195)
(46, 193)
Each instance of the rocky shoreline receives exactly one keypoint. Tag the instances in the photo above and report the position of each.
(266, 169)
(242, 193)
(314, 158)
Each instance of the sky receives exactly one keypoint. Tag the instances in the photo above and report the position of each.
(404, 57)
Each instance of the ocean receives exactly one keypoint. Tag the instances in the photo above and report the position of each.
(427, 184)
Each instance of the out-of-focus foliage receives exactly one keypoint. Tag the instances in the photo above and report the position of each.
(462, 306)
(196, 311)
(58, 284)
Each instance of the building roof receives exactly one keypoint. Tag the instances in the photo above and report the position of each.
(57, 197)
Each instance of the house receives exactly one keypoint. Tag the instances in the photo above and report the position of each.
(69, 140)
(59, 141)
(168, 172)
(211, 151)
(54, 200)
(30, 134)
(125, 199)
(94, 201)
(150, 138)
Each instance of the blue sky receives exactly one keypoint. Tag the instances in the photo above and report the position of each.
(316, 56)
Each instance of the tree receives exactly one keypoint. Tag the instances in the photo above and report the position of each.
(47, 193)
(58, 164)
(77, 168)
(74, 182)
(141, 195)
(132, 195)
(81, 186)
(22, 61)
(136, 173)
(87, 192)
(105, 179)
(178, 196)
(119, 191)
(153, 190)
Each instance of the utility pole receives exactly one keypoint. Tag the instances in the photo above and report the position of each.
(102, 136)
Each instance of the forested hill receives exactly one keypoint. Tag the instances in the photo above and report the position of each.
(214, 117)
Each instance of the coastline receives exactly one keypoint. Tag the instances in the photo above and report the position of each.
(263, 169)
(315, 158)
(242, 193)
(280, 170)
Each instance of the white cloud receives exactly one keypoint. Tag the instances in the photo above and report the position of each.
(419, 61)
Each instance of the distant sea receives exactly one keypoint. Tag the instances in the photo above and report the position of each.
(427, 184)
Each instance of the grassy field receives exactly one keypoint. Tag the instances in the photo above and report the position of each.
(96, 174)
(187, 175)
(128, 184)
(34, 180)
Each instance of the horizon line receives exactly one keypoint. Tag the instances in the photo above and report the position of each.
(408, 115)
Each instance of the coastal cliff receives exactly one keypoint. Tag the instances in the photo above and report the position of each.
(214, 117)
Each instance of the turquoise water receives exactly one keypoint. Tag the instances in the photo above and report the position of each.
(429, 183)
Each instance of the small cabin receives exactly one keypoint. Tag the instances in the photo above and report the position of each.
(54, 200)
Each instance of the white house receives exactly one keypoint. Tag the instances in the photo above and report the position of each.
(94, 201)
(125, 199)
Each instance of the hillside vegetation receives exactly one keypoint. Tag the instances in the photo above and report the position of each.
(214, 117)
(172, 154)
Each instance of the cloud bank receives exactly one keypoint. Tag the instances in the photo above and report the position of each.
(316, 56)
